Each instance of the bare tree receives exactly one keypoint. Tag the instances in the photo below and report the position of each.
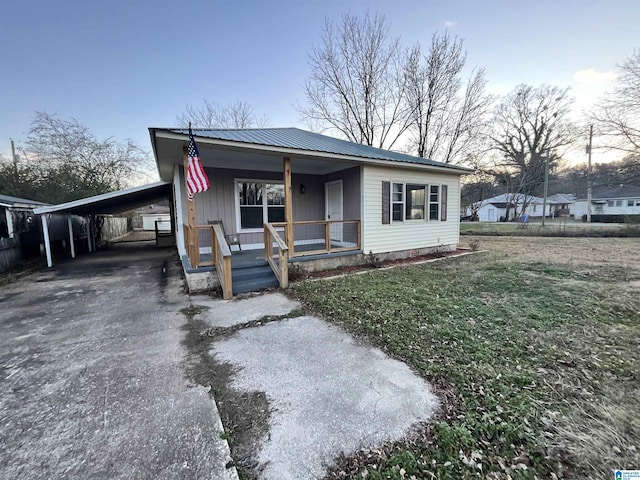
(238, 114)
(617, 116)
(446, 114)
(357, 85)
(531, 127)
(65, 161)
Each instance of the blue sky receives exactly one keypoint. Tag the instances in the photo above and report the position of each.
(120, 67)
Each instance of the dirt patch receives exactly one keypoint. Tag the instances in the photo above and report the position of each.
(245, 416)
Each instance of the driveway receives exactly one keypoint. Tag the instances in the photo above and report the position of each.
(298, 391)
(92, 378)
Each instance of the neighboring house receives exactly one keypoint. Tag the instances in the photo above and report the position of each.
(509, 206)
(155, 213)
(347, 199)
(561, 204)
(610, 204)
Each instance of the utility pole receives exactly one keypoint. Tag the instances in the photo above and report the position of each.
(589, 148)
(14, 161)
(546, 188)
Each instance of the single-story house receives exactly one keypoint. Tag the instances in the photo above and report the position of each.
(295, 196)
(610, 204)
(561, 204)
(509, 206)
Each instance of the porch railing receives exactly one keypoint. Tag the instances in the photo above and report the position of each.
(222, 258)
(220, 253)
(313, 237)
(278, 257)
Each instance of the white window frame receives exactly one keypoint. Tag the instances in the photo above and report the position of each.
(393, 202)
(438, 202)
(236, 190)
(427, 200)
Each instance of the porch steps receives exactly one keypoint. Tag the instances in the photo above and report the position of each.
(250, 278)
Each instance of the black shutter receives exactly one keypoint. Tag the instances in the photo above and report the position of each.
(386, 202)
(443, 203)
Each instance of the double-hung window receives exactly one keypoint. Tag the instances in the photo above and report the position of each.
(434, 202)
(414, 202)
(259, 203)
(397, 202)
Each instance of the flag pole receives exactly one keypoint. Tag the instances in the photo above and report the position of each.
(191, 210)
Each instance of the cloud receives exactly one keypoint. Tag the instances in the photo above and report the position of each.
(450, 23)
(592, 76)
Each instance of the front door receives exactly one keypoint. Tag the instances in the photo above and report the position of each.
(333, 207)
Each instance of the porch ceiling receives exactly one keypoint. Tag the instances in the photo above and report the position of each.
(169, 153)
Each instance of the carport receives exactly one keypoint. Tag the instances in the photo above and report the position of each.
(104, 204)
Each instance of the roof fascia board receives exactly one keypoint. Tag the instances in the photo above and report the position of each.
(312, 153)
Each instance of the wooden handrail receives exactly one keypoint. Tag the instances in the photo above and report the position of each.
(220, 252)
(281, 245)
(222, 258)
(281, 267)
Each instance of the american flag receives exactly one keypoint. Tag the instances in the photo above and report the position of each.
(197, 180)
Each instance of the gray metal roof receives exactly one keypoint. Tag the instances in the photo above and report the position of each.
(9, 200)
(296, 138)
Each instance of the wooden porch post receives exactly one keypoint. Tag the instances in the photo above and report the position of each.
(191, 217)
(288, 205)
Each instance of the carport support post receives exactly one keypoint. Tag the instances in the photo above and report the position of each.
(288, 207)
(71, 244)
(88, 229)
(47, 244)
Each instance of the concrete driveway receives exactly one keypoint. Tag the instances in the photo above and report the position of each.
(92, 377)
(305, 389)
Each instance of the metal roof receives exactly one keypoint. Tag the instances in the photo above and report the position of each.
(112, 202)
(295, 138)
(11, 201)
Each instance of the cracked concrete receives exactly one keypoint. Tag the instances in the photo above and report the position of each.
(92, 383)
(327, 394)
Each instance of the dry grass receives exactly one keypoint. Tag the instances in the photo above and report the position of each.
(534, 345)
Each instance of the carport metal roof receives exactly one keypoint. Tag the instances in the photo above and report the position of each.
(107, 203)
(112, 202)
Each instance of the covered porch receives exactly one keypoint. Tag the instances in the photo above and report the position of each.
(274, 208)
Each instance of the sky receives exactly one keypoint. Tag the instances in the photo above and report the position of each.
(122, 66)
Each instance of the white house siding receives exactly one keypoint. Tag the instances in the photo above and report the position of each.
(413, 234)
(485, 213)
(602, 207)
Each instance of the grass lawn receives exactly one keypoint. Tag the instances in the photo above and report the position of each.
(554, 227)
(532, 346)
